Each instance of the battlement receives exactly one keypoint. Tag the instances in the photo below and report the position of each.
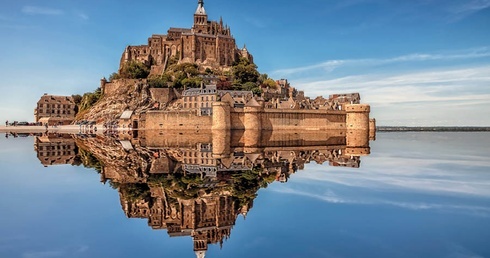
(357, 108)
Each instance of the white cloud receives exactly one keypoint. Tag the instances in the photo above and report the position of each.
(430, 86)
(422, 175)
(468, 7)
(33, 10)
(44, 254)
(331, 65)
(83, 16)
(450, 88)
(255, 22)
(444, 190)
(363, 200)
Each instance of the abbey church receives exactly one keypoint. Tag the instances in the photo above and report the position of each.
(208, 44)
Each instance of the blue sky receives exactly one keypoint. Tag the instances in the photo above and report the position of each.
(418, 62)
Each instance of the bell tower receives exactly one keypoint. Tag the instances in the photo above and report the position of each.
(200, 18)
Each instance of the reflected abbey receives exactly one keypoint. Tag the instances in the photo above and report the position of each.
(197, 183)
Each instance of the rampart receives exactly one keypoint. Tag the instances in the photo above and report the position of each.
(224, 117)
(176, 120)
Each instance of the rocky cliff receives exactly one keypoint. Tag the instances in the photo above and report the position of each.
(119, 95)
(129, 166)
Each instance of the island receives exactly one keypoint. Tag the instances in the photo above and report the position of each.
(198, 79)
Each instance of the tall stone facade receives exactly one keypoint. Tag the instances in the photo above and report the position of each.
(208, 44)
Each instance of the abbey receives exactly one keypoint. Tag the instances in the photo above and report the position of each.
(208, 44)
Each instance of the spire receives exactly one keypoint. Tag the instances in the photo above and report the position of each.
(200, 254)
(200, 8)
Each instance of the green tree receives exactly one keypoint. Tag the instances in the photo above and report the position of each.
(134, 70)
(89, 99)
(262, 78)
(257, 91)
(244, 71)
(159, 81)
(114, 76)
(77, 98)
(191, 82)
(136, 191)
(269, 83)
(249, 86)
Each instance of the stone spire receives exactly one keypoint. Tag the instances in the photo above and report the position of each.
(200, 254)
(200, 8)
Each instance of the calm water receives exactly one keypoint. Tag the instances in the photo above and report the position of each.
(415, 195)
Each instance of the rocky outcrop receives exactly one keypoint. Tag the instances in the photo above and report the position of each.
(129, 166)
(120, 95)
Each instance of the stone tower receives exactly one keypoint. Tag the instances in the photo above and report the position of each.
(357, 123)
(200, 18)
(252, 123)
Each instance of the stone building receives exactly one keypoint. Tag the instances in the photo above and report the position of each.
(282, 91)
(55, 110)
(208, 44)
(203, 98)
(55, 149)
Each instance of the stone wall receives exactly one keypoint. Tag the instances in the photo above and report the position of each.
(177, 120)
(280, 119)
(163, 95)
(226, 118)
(110, 88)
(289, 119)
(252, 119)
(183, 138)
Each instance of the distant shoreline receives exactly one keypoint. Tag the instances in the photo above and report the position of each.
(433, 129)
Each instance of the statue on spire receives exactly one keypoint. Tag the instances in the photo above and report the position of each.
(200, 8)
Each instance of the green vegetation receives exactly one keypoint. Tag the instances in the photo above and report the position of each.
(135, 192)
(87, 101)
(131, 70)
(243, 75)
(134, 70)
(88, 160)
(77, 99)
(243, 72)
(161, 81)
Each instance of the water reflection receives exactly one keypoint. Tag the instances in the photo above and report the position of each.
(197, 183)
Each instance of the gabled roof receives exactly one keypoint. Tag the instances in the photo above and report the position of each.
(252, 103)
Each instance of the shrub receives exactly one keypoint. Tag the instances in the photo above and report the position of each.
(134, 70)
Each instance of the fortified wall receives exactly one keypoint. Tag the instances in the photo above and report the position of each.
(254, 117)
(254, 127)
